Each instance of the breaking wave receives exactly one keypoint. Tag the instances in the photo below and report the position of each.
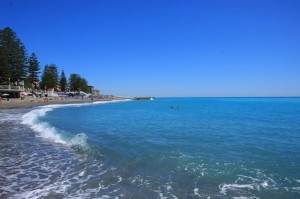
(51, 133)
(44, 129)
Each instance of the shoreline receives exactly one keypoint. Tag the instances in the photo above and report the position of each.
(35, 102)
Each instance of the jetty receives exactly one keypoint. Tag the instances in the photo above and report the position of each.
(143, 98)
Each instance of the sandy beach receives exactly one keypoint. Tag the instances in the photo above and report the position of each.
(30, 102)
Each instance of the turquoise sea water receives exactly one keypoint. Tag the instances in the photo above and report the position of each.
(162, 148)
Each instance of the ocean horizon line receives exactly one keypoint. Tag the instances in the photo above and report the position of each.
(231, 97)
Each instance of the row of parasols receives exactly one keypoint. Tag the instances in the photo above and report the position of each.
(6, 95)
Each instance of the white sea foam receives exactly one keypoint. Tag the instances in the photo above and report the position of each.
(249, 177)
(160, 194)
(169, 187)
(69, 177)
(196, 192)
(265, 184)
(295, 188)
(226, 187)
(113, 101)
(105, 197)
(42, 128)
(200, 195)
(10, 115)
(46, 131)
(79, 141)
(81, 174)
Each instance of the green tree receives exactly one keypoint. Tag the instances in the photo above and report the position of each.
(33, 69)
(15, 54)
(4, 66)
(74, 82)
(63, 81)
(84, 85)
(77, 83)
(50, 77)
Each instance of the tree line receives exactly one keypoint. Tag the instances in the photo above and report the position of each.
(16, 67)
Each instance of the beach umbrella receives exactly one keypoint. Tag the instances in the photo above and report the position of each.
(5, 95)
(24, 93)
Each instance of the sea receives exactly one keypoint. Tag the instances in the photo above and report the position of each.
(163, 148)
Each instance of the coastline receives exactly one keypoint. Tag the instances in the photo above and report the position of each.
(38, 152)
(35, 102)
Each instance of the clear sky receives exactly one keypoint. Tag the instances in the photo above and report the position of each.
(166, 47)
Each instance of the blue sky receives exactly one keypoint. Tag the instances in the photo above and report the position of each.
(166, 47)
